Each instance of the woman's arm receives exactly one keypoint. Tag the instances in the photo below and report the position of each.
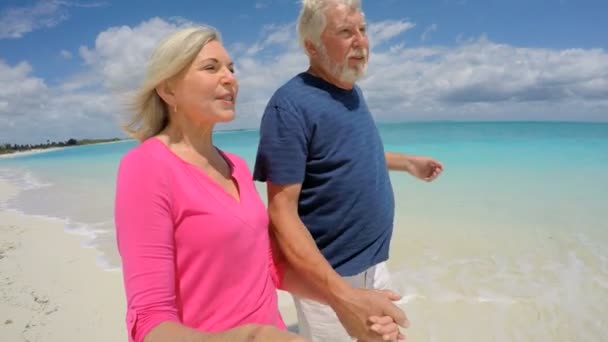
(172, 332)
(144, 233)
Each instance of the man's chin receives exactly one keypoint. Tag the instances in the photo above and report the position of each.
(353, 77)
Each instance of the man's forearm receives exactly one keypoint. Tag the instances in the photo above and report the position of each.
(297, 284)
(397, 161)
(304, 257)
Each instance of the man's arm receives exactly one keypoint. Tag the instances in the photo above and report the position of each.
(297, 244)
(288, 279)
(297, 284)
(353, 307)
(424, 168)
(398, 161)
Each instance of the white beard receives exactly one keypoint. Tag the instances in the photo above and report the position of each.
(343, 72)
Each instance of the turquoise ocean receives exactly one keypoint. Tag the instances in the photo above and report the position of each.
(509, 244)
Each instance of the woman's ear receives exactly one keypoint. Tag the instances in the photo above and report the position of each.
(165, 91)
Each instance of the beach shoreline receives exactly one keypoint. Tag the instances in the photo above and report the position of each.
(29, 152)
(50, 286)
(50, 149)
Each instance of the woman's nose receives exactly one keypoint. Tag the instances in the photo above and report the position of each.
(228, 76)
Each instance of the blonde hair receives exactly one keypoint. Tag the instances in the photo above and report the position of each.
(171, 56)
(312, 20)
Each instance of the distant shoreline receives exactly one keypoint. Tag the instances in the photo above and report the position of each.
(10, 150)
(14, 154)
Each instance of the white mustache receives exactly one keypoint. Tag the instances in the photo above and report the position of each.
(357, 53)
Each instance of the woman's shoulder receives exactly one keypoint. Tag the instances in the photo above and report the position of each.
(148, 156)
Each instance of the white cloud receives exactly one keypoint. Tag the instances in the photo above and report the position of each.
(384, 31)
(280, 34)
(80, 82)
(120, 53)
(259, 78)
(65, 54)
(88, 104)
(485, 80)
(261, 4)
(24, 91)
(427, 32)
(18, 21)
(15, 22)
(35, 112)
(271, 35)
(476, 79)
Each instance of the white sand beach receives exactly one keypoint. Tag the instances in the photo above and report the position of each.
(50, 287)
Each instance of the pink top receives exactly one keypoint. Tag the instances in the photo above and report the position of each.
(190, 252)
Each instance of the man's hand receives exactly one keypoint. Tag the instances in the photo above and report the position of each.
(357, 310)
(424, 168)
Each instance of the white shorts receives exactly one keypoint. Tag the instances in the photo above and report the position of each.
(319, 323)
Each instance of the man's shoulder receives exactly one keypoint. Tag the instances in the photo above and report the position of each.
(299, 94)
(291, 88)
(288, 97)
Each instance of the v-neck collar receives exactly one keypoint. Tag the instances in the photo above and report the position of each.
(196, 171)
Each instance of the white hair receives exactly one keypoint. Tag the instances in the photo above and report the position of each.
(172, 55)
(312, 20)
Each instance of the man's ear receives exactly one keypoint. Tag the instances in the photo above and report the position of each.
(311, 49)
(165, 91)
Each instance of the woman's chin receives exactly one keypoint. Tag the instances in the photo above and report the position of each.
(226, 116)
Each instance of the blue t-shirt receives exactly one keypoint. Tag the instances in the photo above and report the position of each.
(324, 137)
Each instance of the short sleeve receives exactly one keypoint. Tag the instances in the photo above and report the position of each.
(283, 147)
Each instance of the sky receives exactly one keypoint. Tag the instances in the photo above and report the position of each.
(68, 67)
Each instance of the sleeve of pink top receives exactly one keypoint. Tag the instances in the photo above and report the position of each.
(144, 232)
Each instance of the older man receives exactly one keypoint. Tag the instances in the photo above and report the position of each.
(329, 194)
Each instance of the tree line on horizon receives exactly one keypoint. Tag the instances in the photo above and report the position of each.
(11, 148)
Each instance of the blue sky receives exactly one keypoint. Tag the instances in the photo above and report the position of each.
(66, 67)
